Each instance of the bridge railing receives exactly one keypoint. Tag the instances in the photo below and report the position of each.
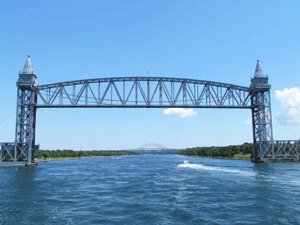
(143, 92)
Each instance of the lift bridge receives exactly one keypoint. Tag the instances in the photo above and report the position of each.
(144, 92)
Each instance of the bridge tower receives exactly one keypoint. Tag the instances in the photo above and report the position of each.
(26, 114)
(261, 115)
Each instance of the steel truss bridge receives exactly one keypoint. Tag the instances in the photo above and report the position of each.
(155, 148)
(151, 147)
(144, 92)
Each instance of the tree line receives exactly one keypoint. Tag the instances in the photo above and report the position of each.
(70, 153)
(244, 151)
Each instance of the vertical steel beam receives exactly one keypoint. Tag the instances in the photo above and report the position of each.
(262, 125)
(1, 153)
(25, 125)
(148, 92)
(261, 115)
(160, 92)
(26, 114)
(136, 92)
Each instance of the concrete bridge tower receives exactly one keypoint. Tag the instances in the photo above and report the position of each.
(261, 115)
(26, 114)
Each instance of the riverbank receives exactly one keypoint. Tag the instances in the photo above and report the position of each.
(235, 157)
(50, 160)
(46, 155)
(240, 152)
(11, 163)
(53, 159)
(66, 158)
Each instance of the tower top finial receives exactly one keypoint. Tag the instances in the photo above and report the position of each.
(258, 70)
(28, 69)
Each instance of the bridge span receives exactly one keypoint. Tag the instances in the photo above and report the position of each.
(153, 148)
(144, 92)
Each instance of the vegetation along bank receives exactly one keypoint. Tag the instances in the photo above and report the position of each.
(244, 151)
(43, 155)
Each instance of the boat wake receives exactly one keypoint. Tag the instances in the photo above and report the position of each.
(186, 164)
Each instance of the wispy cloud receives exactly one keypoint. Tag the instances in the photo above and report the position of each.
(248, 121)
(180, 112)
(290, 106)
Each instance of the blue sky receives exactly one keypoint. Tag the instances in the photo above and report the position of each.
(206, 40)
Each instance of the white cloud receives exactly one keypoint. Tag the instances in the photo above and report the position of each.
(248, 121)
(180, 112)
(290, 106)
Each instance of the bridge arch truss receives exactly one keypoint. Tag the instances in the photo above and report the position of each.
(142, 92)
(152, 146)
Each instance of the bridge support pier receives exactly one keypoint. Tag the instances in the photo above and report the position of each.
(262, 125)
(25, 125)
(26, 114)
(261, 116)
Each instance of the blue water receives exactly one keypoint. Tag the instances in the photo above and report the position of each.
(150, 189)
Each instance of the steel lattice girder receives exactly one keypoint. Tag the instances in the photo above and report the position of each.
(143, 92)
(7, 151)
(25, 124)
(287, 149)
(262, 124)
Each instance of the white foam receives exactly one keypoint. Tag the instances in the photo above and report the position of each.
(213, 168)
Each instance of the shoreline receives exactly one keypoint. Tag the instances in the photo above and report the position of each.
(86, 157)
(212, 157)
(51, 160)
(66, 158)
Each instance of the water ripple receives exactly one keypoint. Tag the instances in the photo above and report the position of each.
(150, 190)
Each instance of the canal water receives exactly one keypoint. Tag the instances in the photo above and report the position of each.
(150, 189)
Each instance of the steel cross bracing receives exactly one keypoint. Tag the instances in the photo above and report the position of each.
(286, 149)
(25, 125)
(279, 149)
(143, 92)
(262, 124)
(7, 151)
